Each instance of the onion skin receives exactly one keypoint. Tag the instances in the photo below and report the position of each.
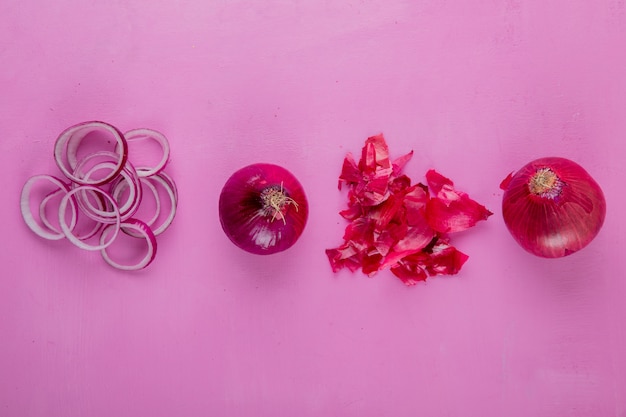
(249, 223)
(558, 217)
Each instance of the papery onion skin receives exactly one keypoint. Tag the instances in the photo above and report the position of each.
(558, 217)
(249, 222)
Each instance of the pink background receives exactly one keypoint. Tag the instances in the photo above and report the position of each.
(477, 88)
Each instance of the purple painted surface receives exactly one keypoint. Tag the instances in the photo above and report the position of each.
(476, 88)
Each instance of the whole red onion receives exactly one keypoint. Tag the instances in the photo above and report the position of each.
(263, 208)
(552, 207)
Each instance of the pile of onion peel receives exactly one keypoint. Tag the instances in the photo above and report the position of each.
(394, 224)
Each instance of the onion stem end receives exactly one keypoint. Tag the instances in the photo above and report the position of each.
(276, 200)
(545, 183)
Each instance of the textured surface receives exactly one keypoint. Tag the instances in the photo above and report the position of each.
(476, 88)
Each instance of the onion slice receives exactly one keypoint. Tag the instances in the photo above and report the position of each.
(104, 193)
(146, 134)
(43, 206)
(157, 200)
(67, 144)
(171, 192)
(164, 182)
(115, 213)
(44, 232)
(134, 228)
(127, 177)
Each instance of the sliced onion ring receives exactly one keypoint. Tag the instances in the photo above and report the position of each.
(44, 217)
(173, 202)
(85, 171)
(74, 213)
(170, 182)
(119, 188)
(128, 177)
(68, 142)
(97, 227)
(157, 201)
(27, 214)
(170, 189)
(143, 134)
(104, 213)
(68, 199)
(134, 228)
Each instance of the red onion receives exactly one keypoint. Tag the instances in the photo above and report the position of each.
(552, 207)
(263, 209)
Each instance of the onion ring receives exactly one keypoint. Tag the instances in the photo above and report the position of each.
(158, 178)
(143, 134)
(67, 144)
(48, 232)
(68, 232)
(128, 176)
(44, 217)
(138, 228)
(104, 188)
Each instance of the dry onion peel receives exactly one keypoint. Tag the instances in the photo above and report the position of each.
(396, 225)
